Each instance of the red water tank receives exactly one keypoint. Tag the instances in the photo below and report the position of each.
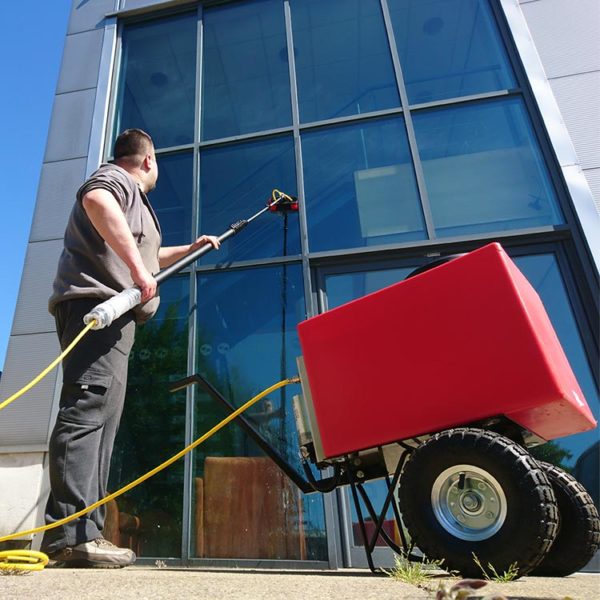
(464, 341)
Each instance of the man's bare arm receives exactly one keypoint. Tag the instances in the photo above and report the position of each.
(107, 217)
(170, 254)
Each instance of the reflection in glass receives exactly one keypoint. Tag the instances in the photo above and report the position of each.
(247, 341)
(245, 81)
(344, 287)
(360, 186)
(576, 453)
(483, 169)
(343, 60)
(152, 430)
(235, 182)
(341, 288)
(449, 49)
(158, 81)
(172, 198)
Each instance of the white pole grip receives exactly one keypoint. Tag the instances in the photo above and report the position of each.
(109, 310)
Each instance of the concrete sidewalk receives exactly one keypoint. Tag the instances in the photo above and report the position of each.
(244, 584)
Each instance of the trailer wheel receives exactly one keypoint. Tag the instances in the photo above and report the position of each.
(469, 491)
(578, 536)
(436, 262)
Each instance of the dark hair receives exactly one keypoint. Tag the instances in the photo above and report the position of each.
(132, 143)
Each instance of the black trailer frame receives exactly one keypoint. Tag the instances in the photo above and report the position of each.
(347, 471)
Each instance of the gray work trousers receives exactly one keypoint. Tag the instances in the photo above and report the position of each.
(91, 404)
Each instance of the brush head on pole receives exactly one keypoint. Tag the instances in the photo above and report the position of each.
(280, 202)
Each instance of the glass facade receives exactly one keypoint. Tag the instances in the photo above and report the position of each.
(245, 82)
(403, 127)
(449, 49)
(153, 429)
(483, 169)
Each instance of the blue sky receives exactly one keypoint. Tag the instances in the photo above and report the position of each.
(31, 48)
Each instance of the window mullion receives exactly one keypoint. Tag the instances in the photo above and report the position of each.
(410, 131)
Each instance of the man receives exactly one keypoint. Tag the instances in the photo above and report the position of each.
(112, 241)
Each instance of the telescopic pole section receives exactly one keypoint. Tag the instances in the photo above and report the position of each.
(106, 312)
(234, 228)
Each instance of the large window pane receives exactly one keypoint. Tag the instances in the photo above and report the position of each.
(483, 169)
(152, 430)
(343, 60)
(235, 182)
(449, 48)
(344, 287)
(576, 453)
(158, 82)
(360, 186)
(245, 83)
(247, 341)
(172, 198)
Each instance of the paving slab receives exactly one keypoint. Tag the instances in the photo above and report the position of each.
(153, 583)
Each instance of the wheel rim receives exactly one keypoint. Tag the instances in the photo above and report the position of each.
(468, 502)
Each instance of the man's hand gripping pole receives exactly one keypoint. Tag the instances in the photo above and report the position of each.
(108, 311)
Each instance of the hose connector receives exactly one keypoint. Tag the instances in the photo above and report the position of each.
(109, 310)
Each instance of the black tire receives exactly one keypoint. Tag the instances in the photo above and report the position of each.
(578, 537)
(436, 262)
(499, 491)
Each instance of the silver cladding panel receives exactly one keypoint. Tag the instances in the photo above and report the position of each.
(523, 22)
(578, 97)
(70, 125)
(56, 194)
(31, 313)
(132, 4)
(566, 35)
(81, 61)
(593, 178)
(89, 14)
(25, 423)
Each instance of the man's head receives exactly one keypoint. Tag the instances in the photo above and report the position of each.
(134, 152)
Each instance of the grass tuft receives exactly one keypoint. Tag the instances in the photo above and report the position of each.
(13, 571)
(510, 574)
(414, 572)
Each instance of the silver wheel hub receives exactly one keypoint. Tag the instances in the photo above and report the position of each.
(468, 502)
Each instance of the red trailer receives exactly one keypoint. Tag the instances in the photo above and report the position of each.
(443, 381)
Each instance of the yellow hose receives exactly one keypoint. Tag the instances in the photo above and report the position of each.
(15, 558)
(49, 368)
(22, 560)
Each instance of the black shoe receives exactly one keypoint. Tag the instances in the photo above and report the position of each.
(98, 553)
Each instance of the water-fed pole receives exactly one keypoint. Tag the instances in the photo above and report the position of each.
(109, 310)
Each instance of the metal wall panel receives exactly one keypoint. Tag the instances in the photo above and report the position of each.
(32, 345)
(80, 61)
(565, 38)
(56, 193)
(131, 4)
(565, 34)
(89, 14)
(31, 313)
(593, 178)
(578, 99)
(70, 126)
(26, 421)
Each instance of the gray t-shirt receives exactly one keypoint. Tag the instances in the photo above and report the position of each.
(88, 267)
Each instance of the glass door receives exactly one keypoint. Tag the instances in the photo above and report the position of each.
(337, 287)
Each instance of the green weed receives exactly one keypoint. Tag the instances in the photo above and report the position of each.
(414, 572)
(510, 574)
